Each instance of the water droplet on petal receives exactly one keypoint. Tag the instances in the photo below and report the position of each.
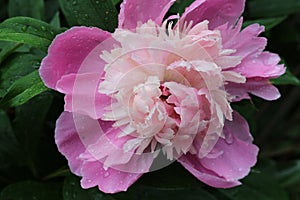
(229, 139)
(106, 174)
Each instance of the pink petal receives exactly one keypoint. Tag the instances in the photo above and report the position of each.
(68, 51)
(108, 181)
(239, 127)
(245, 42)
(258, 87)
(72, 139)
(82, 94)
(234, 161)
(193, 165)
(217, 12)
(133, 11)
(263, 65)
(68, 141)
(109, 149)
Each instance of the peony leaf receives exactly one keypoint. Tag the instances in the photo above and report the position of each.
(263, 8)
(29, 8)
(269, 23)
(97, 13)
(23, 90)
(29, 190)
(17, 66)
(8, 142)
(28, 31)
(287, 79)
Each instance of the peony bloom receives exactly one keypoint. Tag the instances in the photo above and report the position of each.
(154, 89)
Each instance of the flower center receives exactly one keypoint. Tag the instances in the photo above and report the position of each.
(167, 87)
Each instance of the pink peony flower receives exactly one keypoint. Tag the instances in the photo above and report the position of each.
(152, 90)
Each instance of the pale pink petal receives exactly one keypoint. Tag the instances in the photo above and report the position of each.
(68, 51)
(217, 12)
(108, 181)
(82, 94)
(133, 11)
(109, 149)
(258, 87)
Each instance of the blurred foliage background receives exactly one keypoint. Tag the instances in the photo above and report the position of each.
(31, 168)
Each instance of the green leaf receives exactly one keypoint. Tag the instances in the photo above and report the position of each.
(97, 13)
(115, 2)
(8, 143)
(55, 22)
(291, 175)
(29, 8)
(73, 191)
(287, 79)
(7, 49)
(30, 190)
(269, 23)
(17, 66)
(179, 6)
(23, 90)
(265, 8)
(28, 31)
(29, 125)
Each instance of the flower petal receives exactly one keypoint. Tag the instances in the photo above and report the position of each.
(239, 127)
(72, 144)
(68, 141)
(82, 94)
(108, 181)
(193, 165)
(133, 11)
(217, 12)
(68, 51)
(258, 87)
(233, 157)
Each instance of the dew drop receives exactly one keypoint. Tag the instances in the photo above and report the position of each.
(106, 174)
(229, 139)
(24, 28)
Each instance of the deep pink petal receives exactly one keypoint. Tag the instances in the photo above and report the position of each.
(108, 181)
(258, 87)
(133, 11)
(193, 165)
(68, 51)
(82, 94)
(217, 12)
